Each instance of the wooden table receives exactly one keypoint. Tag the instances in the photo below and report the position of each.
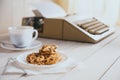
(100, 61)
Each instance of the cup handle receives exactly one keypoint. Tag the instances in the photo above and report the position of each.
(36, 34)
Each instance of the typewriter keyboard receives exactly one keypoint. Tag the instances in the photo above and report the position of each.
(93, 26)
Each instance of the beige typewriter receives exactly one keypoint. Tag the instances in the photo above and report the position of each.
(88, 30)
(73, 27)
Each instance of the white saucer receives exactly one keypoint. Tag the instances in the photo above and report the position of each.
(9, 46)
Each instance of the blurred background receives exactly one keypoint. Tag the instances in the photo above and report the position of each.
(12, 11)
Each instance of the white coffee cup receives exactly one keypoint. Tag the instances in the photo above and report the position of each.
(22, 36)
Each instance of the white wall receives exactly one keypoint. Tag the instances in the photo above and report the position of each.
(12, 12)
(5, 14)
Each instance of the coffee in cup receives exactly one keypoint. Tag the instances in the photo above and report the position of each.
(23, 36)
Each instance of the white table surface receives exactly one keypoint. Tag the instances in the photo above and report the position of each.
(100, 61)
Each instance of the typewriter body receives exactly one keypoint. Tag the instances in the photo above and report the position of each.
(58, 25)
(75, 29)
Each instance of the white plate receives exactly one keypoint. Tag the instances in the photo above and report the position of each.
(9, 46)
(21, 60)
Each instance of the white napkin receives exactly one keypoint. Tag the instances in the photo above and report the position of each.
(15, 68)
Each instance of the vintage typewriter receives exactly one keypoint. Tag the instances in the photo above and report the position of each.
(85, 30)
(68, 27)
